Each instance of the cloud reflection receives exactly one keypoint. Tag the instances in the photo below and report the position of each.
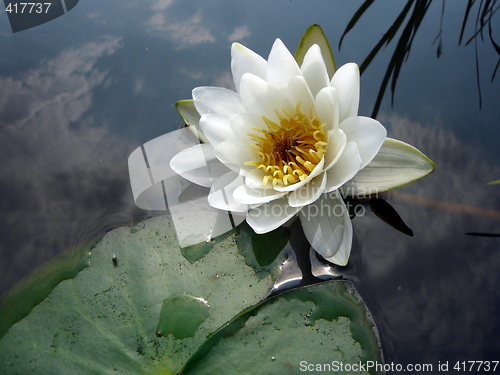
(59, 179)
(441, 284)
(183, 32)
(239, 33)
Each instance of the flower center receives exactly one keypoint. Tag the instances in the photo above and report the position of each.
(290, 150)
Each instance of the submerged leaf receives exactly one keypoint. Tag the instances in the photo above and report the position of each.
(198, 250)
(181, 315)
(202, 245)
(315, 35)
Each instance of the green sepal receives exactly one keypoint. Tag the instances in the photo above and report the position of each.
(315, 35)
(396, 164)
(191, 117)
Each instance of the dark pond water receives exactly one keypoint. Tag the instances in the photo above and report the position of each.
(80, 93)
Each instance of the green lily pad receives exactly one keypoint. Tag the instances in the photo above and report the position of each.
(315, 35)
(105, 320)
(325, 324)
(17, 302)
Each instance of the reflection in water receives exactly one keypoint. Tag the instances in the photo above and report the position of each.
(387, 213)
(55, 178)
(435, 296)
(421, 289)
(416, 11)
(183, 32)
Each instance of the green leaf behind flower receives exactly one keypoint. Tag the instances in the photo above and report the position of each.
(261, 250)
(396, 164)
(315, 35)
(191, 117)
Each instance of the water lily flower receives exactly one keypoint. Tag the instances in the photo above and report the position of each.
(293, 135)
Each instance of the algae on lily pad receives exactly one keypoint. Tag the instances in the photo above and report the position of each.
(105, 320)
(314, 329)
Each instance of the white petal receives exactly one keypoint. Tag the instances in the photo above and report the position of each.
(346, 82)
(281, 66)
(298, 92)
(345, 168)
(234, 154)
(314, 70)
(216, 100)
(308, 193)
(336, 145)
(328, 107)
(221, 193)
(216, 128)
(396, 164)
(198, 164)
(244, 60)
(328, 228)
(315, 172)
(261, 98)
(245, 195)
(369, 135)
(270, 216)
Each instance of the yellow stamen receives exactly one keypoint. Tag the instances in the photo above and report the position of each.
(291, 149)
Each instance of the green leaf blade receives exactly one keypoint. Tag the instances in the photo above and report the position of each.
(191, 117)
(496, 182)
(396, 164)
(315, 35)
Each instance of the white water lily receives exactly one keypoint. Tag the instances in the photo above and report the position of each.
(293, 135)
